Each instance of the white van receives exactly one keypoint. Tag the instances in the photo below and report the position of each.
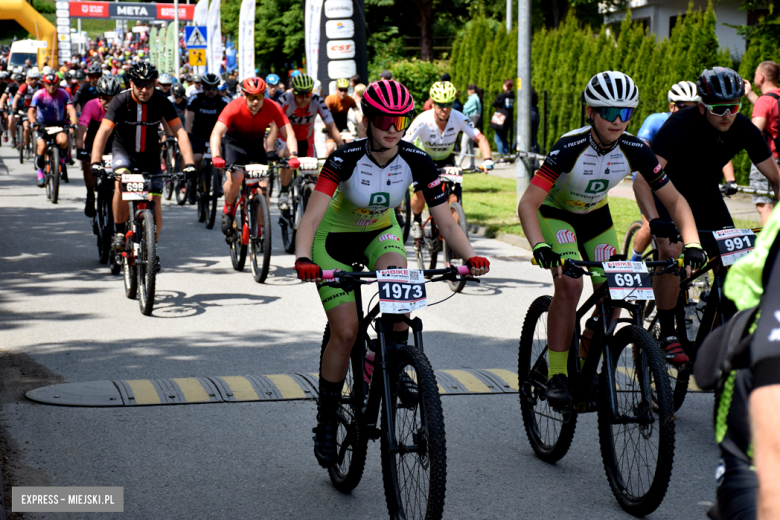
(23, 50)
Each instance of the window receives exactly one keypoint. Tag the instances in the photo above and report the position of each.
(674, 20)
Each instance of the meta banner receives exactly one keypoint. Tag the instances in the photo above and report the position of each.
(335, 41)
(130, 11)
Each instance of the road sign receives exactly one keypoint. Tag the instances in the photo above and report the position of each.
(195, 37)
(198, 57)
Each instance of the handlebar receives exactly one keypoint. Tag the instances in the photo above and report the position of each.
(749, 191)
(574, 268)
(282, 163)
(337, 274)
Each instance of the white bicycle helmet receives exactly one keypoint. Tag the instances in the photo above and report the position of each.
(684, 91)
(611, 89)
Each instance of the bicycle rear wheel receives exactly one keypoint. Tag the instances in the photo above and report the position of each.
(288, 231)
(451, 258)
(679, 377)
(182, 190)
(20, 141)
(212, 194)
(131, 279)
(351, 437)
(146, 263)
(237, 248)
(414, 471)
(170, 164)
(53, 175)
(549, 431)
(105, 226)
(202, 194)
(637, 446)
(260, 238)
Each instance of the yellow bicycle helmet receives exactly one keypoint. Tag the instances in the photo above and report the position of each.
(443, 92)
(342, 83)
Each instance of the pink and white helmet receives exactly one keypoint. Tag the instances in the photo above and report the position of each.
(387, 97)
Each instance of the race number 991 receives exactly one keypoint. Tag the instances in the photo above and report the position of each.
(737, 243)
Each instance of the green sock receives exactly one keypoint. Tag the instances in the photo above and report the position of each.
(557, 361)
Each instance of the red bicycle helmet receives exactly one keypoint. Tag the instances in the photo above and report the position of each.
(253, 86)
(51, 79)
(387, 97)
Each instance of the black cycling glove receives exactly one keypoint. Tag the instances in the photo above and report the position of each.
(82, 154)
(730, 188)
(190, 172)
(272, 156)
(97, 169)
(694, 256)
(545, 256)
(664, 229)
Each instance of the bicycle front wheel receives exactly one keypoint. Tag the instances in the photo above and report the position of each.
(451, 258)
(212, 194)
(146, 263)
(202, 194)
(182, 190)
(237, 247)
(260, 238)
(53, 180)
(105, 226)
(130, 277)
(549, 431)
(351, 437)
(637, 446)
(414, 453)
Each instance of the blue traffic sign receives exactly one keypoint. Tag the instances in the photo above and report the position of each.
(195, 37)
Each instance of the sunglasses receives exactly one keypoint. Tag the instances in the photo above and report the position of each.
(612, 113)
(443, 105)
(384, 123)
(720, 110)
(255, 97)
(303, 94)
(141, 85)
(343, 90)
(205, 88)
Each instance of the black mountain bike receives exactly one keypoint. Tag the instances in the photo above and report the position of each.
(170, 153)
(25, 151)
(427, 249)
(139, 260)
(54, 166)
(301, 188)
(401, 392)
(103, 221)
(637, 445)
(208, 190)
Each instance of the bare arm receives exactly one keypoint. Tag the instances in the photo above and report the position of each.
(101, 138)
(765, 423)
(484, 147)
(74, 118)
(315, 210)
(752, 96)
(680, 211)
(292, 143)
(216, 138)
(768, 168)
(728, 172)
(644, 198)
(335, 133)
(527, 211)
(31, 115)
(184, 143)
(760, 122)
(453, 234)
(80, 131)
(189, 116)
(270, 140)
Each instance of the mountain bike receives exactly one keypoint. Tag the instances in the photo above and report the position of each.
(208, 189)
(396, 385)
(25, 150)
(301, 188)
(139, 259)
(427, 249)
(637, 445)
(170, 153)
(252, 221)
(55, 162)
(103, 221)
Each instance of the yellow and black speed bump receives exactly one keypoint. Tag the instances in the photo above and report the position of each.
(236, 389)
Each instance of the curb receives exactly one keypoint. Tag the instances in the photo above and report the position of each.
(515, 240)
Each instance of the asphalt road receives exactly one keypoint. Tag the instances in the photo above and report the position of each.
(64, 318)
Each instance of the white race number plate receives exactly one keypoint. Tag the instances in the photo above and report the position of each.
(309, 165)
(733, 244)
(134, 187)
(54, 129)
(401, 290)
(628, 281)
(107, 163)
(255, 171)
(453, 174)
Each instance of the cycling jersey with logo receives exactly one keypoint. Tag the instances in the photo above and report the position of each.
(13, 88)
(577, 174)
(243, 126)
(302, 119)
(51, 109)
(206, 111)
(91, 117)
(135, 124)
(27, 91)
(439, 144)
(368, 193)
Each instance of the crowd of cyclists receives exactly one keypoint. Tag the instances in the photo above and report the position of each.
(379, 144)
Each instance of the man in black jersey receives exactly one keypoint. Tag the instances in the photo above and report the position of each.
(88, 91)
(134, 116)
(201, 115)
(179, 100)
(692, 147)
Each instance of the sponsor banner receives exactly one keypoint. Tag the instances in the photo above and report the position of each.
(214, 50)
(246, 40)
(129, 11)
(311, 20)
(335, 29)
(341, 49)
(341, 69)
(339, 9)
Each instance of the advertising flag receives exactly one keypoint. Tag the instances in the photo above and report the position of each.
(246, 40)
(214, 51)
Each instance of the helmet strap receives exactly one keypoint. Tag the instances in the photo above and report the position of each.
(602, 146)
(370, 136)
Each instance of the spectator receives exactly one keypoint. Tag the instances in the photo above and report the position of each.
(501, 121)
(386, 74)
(456, 105)
(473, 110)
(765, 117)
(353, 81)
(27, 65)
(195, 88)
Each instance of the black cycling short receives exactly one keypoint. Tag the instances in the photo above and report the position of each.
(198, 145)
(243, 153)
(441, 163)
(41, 134)
(737, 490)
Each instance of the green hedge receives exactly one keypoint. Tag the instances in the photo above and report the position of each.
(564, 59)
(416, 75)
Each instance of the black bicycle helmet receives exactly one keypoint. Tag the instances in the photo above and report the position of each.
(210, 80)
(142, 71)
(720, 85)
(79, 74)
(19, 77)
(108, 86)
(177, 90)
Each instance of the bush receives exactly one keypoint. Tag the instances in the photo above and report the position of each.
(416, 75)
(44, 6)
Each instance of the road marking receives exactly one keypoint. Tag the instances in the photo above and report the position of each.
(509, 377)
(469, 380)
(241, 388)
(144, 391)
(192, 389)
(287, 386)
